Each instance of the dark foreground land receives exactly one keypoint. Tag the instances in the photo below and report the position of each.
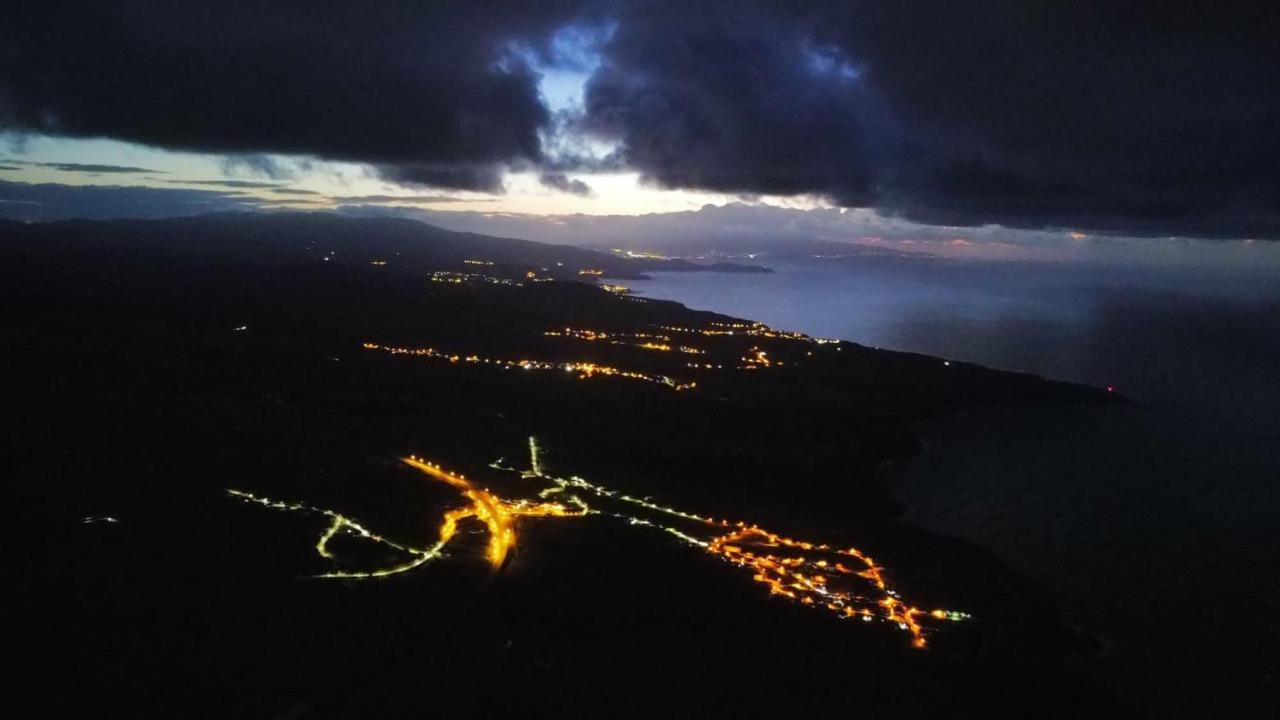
(152, 366)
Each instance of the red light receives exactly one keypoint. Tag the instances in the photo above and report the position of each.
(1110, 389)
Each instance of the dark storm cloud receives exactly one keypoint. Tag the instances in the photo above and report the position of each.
(432, 93)
(734, 100)
(1148, 117)
(53, 201)
(1143, 117)
(565, 184)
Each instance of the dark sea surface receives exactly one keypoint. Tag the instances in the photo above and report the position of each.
(1155, 527)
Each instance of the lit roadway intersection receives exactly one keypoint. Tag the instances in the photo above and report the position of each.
(842, 581)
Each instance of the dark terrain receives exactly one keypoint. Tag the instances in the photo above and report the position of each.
(152, 365)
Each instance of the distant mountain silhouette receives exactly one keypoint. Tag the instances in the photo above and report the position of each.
(292, 237)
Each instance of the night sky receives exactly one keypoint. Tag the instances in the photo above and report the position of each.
(1138, 119)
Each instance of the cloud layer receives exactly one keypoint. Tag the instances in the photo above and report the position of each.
(1140, 118)
(1146, 118)
(432, 93)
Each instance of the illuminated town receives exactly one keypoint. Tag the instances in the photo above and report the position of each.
(843, 581)
(644, 341)
(753, 357)
(459, 278)
(583, 370)
(753, 329)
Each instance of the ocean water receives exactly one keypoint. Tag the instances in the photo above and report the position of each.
(1156, 528)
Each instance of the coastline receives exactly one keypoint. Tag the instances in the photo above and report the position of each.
(1016, 482)
(1092, 645)
(1139, 520)
(283, 398)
